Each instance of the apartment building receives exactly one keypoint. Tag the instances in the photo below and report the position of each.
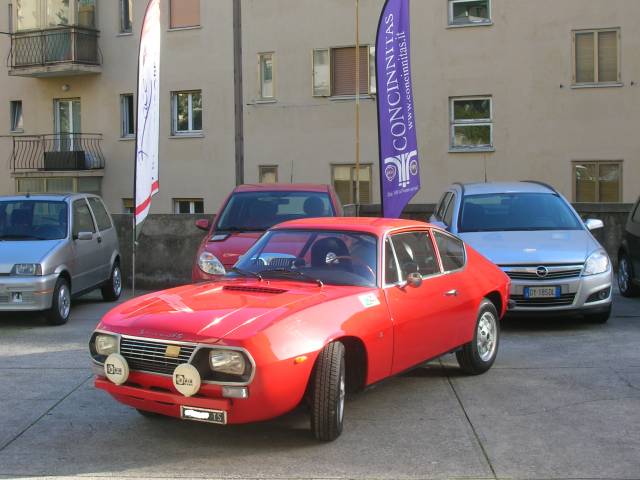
(504, 90)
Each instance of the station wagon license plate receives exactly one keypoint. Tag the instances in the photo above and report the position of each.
(542, 292)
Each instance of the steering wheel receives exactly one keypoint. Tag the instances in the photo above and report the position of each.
(356, 262)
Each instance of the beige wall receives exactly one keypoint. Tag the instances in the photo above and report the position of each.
(522, 61)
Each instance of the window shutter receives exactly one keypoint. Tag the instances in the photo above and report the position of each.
(585, 58)
(608, 56)
(185, 13)
(344, 71)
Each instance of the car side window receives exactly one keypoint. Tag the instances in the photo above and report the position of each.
(82, 221)
(415, 253)
(440, 209)
(100, 212)
(390, 267)
(448, 214)
(451, 250)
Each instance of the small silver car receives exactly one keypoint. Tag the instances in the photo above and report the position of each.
(538, 239)
(53, 248)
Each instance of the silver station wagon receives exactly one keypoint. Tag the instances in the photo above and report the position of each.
(55, 247)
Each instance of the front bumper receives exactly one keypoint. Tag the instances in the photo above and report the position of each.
(577, 295)
(26, 294)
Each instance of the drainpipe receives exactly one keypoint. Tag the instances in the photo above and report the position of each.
(238, 94)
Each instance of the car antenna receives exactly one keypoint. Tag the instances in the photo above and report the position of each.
(292, 170)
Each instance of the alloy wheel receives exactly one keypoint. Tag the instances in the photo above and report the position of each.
(486, 336)
(64, 301)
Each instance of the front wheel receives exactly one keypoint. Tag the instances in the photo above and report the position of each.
(478, 356)
(60, 309)
(113, 288)
(625, 277)
(328, 393)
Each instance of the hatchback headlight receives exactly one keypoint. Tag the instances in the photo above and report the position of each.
(27, 269)
(210, 264)
(598, 262)
(227, 361)
(106, 344)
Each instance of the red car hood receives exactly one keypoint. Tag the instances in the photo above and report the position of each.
(208, 312)
(229, 249)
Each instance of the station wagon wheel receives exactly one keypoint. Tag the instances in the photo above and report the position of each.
(477, 356)
(625, 277)
(112, 290)
(60, 309)
(328, 393)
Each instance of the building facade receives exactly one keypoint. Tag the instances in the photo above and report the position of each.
(504, 90)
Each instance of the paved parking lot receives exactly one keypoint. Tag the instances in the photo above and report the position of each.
(563, 401)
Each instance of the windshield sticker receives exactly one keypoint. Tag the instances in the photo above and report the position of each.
(369, 300)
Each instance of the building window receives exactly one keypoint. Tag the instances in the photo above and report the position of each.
(596, 56)
(16, 116)
(268, 173)
(127, 116)
(334, 71)
(187, 112)
(127, 206)
(267, 83)
(471, 123)
(469, 12)
(184, 13)
(597, 181)
(344, 181)
(126, 18)
(59, 185)
(188, 205)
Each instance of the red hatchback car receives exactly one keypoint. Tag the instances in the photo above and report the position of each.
(248, 212)
(316, 308)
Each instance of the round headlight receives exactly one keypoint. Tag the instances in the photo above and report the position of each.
(598, 262)
(106, 344)
(227, 361)
(209, 263)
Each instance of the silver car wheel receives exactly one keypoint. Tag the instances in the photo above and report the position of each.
(341, 398)
(64, 301)
(624, 275)
(486, 336)
(117, 281)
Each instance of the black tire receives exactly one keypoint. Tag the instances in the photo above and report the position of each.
(328, 393)
(602, 317)
(470, 359)
(626, 277)
(60, 310)
(112, 290)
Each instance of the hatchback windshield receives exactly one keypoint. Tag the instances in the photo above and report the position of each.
(258, 211)
(319, 256)
(516, 212)
(33, 220)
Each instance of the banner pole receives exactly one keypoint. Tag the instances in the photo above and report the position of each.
(357, 202)
(133, 258)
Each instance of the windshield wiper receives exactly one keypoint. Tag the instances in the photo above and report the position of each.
(246, 273)
(301, 275)
(237, 229)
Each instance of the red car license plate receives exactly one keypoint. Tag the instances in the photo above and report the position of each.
(203, 415)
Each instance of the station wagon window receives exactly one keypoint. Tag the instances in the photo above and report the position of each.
(102, 217)
(451, 251)
(448, 213)
(390, 267)
(82, 221)
(415, 253)
(444, 201)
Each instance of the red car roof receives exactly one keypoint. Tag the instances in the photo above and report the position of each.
(282, 187)
(373, 225)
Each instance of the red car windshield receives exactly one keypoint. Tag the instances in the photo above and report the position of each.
(336, 258)
(259, 211)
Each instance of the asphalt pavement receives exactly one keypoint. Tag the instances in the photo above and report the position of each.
(562, 402)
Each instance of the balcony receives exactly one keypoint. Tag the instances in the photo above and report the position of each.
(58, 51)
(78, 154)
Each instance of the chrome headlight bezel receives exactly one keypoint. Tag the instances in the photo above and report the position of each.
(209, 264)
(105, 350)
(27, 270)
(598, 262)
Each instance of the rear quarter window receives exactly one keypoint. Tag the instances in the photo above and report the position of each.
(100, 212)
(451, 250)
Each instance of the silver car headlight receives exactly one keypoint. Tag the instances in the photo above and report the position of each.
(27, 269)
(227, 361)
(106, 344)
(210, 264)
(598, 262)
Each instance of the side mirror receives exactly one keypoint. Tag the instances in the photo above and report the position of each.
(203, 225)
(594, 224)
(414, 280)
(84, 236)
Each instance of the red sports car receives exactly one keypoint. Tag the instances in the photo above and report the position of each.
(316, 308)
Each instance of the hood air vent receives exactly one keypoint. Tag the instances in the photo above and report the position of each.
(273, 291)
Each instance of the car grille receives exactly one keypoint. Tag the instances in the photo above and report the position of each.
(27, 298)
(562, 301)
(4, 298)
(555, 272)
(149, 356)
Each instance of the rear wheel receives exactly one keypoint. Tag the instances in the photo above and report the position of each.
(328, 393)
(477, 356)
(60, 309)
(113, 288)
(626, 276)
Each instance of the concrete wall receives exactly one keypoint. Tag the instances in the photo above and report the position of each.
(168, 244)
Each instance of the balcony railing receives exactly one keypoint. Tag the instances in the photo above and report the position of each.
(55, 47)
(57, 152)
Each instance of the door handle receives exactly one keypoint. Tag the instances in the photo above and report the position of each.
(451, 293)
(99, 239)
